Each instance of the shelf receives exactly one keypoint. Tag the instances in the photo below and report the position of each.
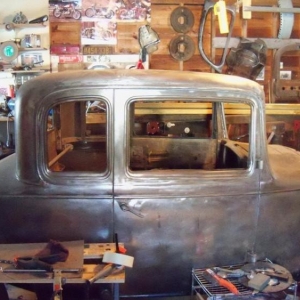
(5, 119)
(29, 71)
(13, 26)
(32, 49)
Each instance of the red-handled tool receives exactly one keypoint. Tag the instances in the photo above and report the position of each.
(222, 282)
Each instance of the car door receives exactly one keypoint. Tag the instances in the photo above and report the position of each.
(181, 200)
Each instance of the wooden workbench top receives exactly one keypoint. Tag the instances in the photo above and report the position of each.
(79, 256)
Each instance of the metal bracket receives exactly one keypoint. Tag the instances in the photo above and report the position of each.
(279, 91)
(219, 42)
(271, 9)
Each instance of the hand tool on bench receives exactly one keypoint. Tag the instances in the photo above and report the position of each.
(222, 282)
(116, 261)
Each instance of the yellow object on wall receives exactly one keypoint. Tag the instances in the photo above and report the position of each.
(220, 12)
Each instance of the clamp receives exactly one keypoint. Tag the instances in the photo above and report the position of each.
(58, 282)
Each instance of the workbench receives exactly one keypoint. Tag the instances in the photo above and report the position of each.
(81, 256)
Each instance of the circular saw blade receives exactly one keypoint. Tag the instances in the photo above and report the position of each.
(286, 20)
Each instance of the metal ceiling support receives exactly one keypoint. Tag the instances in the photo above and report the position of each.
(271, 9)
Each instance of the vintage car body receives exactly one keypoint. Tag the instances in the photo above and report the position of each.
(171, 217)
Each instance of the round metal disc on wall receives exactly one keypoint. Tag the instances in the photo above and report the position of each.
(9, 51)
(182, 19)
(182, 47)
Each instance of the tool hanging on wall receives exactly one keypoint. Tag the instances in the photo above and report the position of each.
(208, 7)
(248, 59)
(148, 40)
(182, 19)
(182, 47)
(286, 20)
(39, 20)
(286, 10)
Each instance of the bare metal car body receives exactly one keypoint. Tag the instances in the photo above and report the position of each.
(170, 219)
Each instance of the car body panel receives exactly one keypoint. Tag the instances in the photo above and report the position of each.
(170, 220)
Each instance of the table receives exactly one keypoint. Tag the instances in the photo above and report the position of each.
(81, 256)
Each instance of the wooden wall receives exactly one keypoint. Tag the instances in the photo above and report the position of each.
(261, 25)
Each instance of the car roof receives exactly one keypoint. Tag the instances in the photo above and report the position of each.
(132, 78)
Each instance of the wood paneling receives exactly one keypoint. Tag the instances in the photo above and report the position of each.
(261, 25)
(65, 33)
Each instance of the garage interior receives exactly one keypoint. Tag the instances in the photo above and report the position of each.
(183, 43)
(260, 40)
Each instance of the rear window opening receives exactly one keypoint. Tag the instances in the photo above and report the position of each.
(77, 137)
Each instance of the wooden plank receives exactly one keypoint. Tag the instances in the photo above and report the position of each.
(86, 251)
(94, 250)
(65, 33)
(11, 251)
(95, 118)
(127, 33)
(204, 108)
(163, 62)
(71, 66)
(196, 63)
